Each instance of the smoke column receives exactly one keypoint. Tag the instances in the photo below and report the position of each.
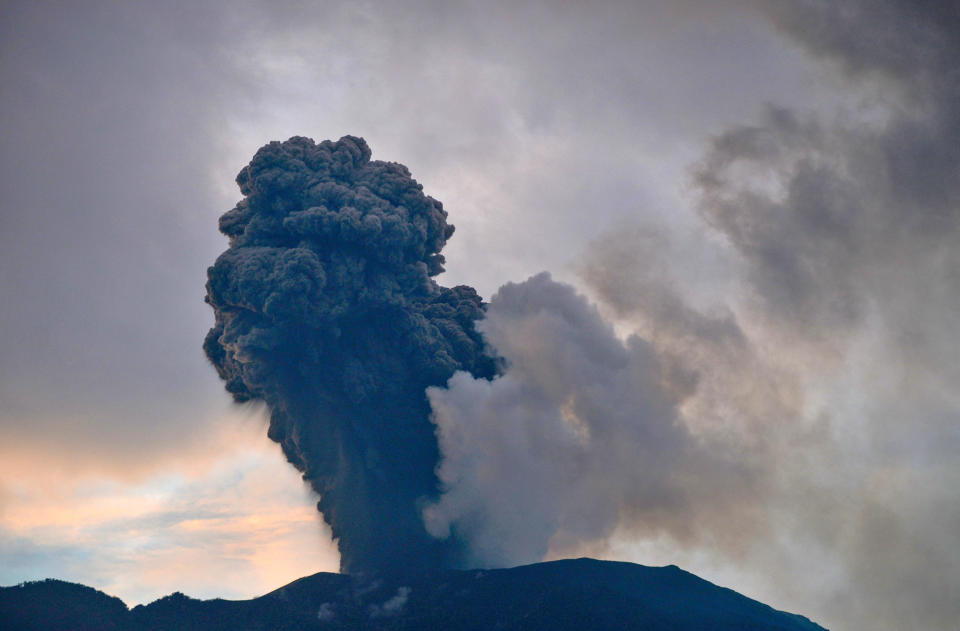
(327, 311)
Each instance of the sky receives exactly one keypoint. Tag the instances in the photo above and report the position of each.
(752, 205)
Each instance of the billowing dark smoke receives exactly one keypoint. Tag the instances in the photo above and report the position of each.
(327, 311)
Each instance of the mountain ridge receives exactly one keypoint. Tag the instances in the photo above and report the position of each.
(556, 595)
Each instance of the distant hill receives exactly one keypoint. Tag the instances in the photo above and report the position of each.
(556, 596)
(53, 604)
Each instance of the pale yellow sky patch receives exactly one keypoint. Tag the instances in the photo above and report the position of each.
(232, 520)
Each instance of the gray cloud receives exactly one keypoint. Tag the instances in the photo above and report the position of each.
(850, 465)
(840, 219)
(728, 384)
(836, 349)
(104, 230)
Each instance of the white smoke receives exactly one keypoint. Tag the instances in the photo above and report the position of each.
(580, 432)
(393, 605)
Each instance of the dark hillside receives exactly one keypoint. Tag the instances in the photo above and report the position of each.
(555, 596)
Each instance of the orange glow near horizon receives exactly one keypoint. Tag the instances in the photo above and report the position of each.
(237, 525)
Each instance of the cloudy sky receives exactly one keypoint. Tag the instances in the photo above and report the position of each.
(761, 198)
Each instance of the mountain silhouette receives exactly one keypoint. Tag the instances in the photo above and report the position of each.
(556, 596)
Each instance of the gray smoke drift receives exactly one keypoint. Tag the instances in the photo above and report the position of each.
(579, 435)
(326, 310)
(847, 229)
(828, 371)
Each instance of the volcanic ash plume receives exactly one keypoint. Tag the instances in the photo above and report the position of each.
(326, 310)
